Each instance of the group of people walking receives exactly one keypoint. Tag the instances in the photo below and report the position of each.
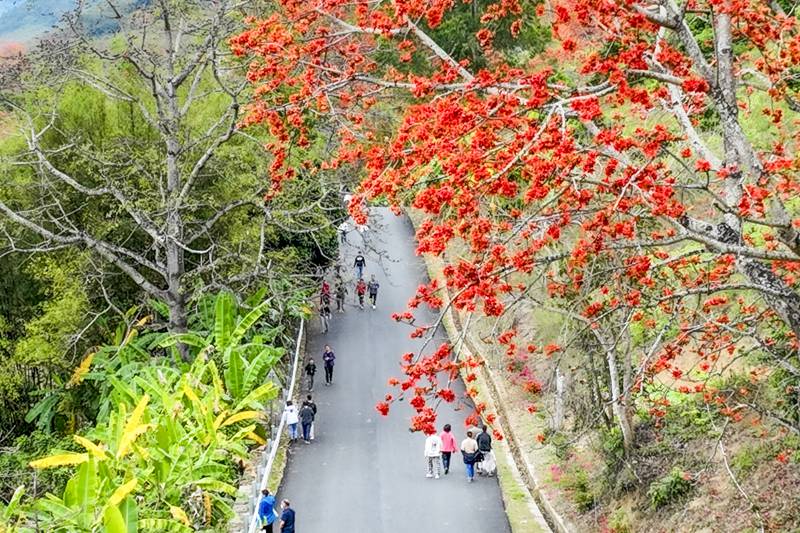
(303, 417)
(362, 290)
(476, 451)
(267, 516)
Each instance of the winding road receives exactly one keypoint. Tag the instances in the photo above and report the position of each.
(365, 473)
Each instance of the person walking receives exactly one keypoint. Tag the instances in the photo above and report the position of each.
(341, 292)
(266, 511)
(287, 517)
(361, 289)
(360, 262)
(488, 465)
(310, 370)
(344, 229)
(308, 401)
(325, 292)
(328, 357)
(291, 419)
(448, 447)
(372, 286)
(433, 455)
(325, 315)
(469, 453)
(306, 416)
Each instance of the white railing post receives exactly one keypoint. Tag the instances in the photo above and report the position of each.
(276, 441)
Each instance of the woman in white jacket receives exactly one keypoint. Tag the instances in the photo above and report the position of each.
(433, 455)
(292, 419)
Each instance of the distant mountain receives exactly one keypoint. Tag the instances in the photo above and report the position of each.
(22, 21)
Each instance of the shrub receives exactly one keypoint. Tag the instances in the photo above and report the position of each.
(620, 522)
(669, 488)
(576, 482)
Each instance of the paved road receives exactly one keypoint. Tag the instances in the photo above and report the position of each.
(365, 473)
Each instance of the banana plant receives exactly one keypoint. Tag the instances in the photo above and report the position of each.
(167, 465)
(245, 353)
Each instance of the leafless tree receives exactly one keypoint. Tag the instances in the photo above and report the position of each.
(170, 66)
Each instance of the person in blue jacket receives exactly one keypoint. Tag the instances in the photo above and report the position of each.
(266, 511)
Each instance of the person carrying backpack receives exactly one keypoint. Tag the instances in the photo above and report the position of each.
(361, 289)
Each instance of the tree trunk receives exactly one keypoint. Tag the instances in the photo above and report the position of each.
(618, 400)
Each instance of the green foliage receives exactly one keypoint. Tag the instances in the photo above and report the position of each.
(670, 488)
(163, 453)
(560, 442)
(620, 522)
(14, 459)
(612, 447)
(576, 482)
(750, 456)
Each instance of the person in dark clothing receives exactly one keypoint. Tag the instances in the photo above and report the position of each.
(360, 262)
(287, 517)
(310, 370)
(341, 292)
(309, 402)
(372, 286)
(487, 466)
(484, 440)
(306, 419)
(328, 357)
(266, 511)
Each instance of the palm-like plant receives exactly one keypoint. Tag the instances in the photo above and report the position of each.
(175, 452)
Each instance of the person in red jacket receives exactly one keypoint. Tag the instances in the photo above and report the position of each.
(448, 447)
(361, 289)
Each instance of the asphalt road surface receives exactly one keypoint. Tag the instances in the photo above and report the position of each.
(365, 473)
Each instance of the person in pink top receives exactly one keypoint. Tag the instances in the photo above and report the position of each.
(448, 447)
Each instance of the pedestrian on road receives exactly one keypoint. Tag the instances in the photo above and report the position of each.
(469, 452)
(433, 455)
(341, 292)
(359, 263)
(448, 447)
(373, 290)
(287, 517)
(344, 229)
(309, 402)
(306, 419)
(361, 289)
(266, 511)
(328, 357)
(310, 370)
(325, 293)
(291, 419)
(488, 465)
(325, 315)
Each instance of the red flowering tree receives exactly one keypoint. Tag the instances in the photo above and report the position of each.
(642, 174)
